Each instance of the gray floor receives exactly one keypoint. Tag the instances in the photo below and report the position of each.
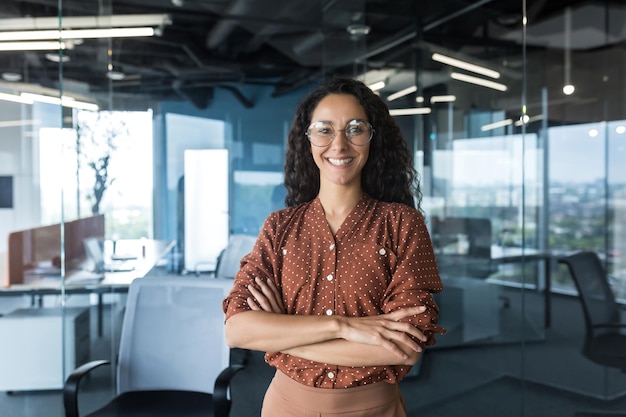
(544, 376)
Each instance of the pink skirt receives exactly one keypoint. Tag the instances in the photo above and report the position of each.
(288, 398)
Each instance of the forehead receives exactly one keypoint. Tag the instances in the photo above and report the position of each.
(338, 108)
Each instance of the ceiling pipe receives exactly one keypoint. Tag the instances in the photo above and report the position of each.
(224, 27)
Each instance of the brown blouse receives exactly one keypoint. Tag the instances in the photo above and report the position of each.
(380, 260)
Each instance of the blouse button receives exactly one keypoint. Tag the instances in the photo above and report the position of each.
(284, 251)
(329, 277)
(329, 312)
(382, 251)
(331, 374)
(332, 246)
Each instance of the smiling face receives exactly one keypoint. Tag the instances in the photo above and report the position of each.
(341, 162)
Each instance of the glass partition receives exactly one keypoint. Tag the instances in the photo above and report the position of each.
(515, 172)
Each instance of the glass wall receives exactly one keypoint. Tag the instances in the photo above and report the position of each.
(514, 173)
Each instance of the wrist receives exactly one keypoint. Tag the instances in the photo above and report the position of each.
(339, 325)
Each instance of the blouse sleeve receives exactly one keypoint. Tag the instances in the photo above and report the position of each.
(416, 276)
(259, 263)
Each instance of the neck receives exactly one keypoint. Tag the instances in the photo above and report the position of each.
(338, 200)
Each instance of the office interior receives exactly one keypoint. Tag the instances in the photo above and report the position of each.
(168, 144)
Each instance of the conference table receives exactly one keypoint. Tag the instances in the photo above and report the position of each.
(134, 258)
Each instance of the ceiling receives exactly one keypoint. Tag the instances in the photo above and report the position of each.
(285, 44)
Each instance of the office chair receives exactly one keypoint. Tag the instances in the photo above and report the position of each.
(239, 245)
(173, 359)
(604, 344)
(463, 246)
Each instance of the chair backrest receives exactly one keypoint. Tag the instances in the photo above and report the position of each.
(463, 246)
(173, 334)
(239, 245)
(594, 291)
(476, 232)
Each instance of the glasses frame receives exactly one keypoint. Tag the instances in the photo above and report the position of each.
(334, 135)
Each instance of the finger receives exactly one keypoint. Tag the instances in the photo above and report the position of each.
(391, 346)
(253, 305)
(260, 299)
(407, 328)
(406, 312)
(404, 339)
(271, 293)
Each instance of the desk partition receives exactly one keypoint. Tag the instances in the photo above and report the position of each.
(39, 248)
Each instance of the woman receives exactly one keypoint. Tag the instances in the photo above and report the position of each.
(337, 289)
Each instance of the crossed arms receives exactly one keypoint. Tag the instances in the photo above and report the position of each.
(348, 341)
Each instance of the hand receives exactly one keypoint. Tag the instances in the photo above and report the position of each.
(268, 299)
(385, 330)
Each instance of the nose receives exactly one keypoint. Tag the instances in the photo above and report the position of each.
(340, 141)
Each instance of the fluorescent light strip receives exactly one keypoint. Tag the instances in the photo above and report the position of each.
(465, 65)
(442, 99)
(408, 112)
(478, 81)
(15, 123)
(496, 125)
(402, 93)
(76, 34)
(527, 119)
(81, 22)
(32, 46)
(65, 101)
(14, 98)
(377, 86)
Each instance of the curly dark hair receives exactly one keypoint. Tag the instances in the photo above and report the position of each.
(388, 174)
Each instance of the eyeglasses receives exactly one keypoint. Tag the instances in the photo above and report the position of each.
(357, 132)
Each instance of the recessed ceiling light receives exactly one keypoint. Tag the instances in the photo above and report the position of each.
(57, 58)
(11, 76)
(116, 75)
(358, 30)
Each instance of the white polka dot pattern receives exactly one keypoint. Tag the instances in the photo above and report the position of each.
(380, 260)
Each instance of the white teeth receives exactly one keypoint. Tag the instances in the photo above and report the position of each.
(339, 162)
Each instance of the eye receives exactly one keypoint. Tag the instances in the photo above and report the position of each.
(323, 129)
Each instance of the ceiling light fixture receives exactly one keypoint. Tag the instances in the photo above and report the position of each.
(495, 125)
(409, 112)
(568, 87)
(77, 34)
(65, 101)
(57, 57)
(402, 93)
(468, 66)
(15, 98)
(379, 85)
(82, 22)
(11, 76)
(443, 99)
(419, 99)
(32, 46)
(478, 81)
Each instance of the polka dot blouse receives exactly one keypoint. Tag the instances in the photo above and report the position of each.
(380, 260)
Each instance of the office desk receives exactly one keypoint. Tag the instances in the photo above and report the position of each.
(508, 255)
(148, 252)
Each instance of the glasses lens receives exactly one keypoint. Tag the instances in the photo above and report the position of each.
(359, 132)
(321, 133)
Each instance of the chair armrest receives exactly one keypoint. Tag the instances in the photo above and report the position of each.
(609, 326)
(70, 389)
(221, 403)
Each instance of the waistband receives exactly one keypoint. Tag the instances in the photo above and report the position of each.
(336, 400)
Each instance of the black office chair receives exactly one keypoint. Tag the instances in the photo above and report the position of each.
(173, 359)
(604, 344)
